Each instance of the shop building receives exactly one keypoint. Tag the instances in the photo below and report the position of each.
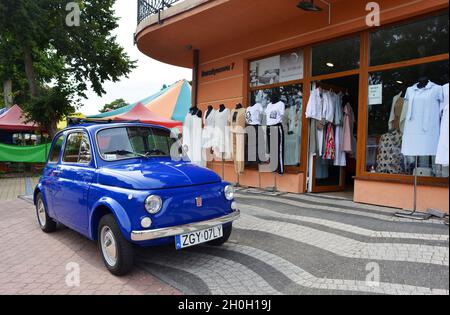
(241, 51)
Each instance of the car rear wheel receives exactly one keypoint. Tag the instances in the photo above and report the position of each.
(117, 252)
(226, 235)
(46, 223)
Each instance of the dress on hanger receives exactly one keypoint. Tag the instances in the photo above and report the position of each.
(208, 130)
(237, 144)
(349, 141)
(422, 126)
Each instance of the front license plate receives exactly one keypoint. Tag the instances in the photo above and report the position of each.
(198, 237)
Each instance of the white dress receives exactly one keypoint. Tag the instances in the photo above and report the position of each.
(222, 134)
(442, 152)
(208, 130)
(422, 125)
(187, 136)
(196, 140)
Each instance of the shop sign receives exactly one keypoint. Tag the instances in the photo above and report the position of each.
(277, 69)
(214, 71)
(376, 94)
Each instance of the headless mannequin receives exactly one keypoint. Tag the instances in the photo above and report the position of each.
(423, 81)
(222, 108)
(196, 112)
(210, 109)
(239, 106)
(275, 98)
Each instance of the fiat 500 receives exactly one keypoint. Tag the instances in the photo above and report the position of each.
(120, 185)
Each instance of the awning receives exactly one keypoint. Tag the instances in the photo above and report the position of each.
(141, 113)
(13, 120)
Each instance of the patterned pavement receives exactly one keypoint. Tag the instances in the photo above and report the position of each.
(10, 188)
(287, 244)
(305, 244)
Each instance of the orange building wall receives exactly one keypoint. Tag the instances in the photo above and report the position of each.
(230, 88)
(401, 195)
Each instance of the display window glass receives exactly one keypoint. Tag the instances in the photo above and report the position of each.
(403, 123)
(277, 69)
(421, 38)
(336, 56)
(292, 97)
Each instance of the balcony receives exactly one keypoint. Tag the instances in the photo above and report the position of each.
(148, 8)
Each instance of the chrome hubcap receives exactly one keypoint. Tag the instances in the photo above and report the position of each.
(41, 213)
(109, 248)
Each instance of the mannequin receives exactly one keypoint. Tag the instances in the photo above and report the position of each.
(275, 132)
(238, 106)
(237, 143)
(423, 81)
(208, 112)
(222, 108)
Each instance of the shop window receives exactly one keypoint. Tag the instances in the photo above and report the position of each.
(337, 56)
(292, 97)
(391, 121)
(277, 69)
(422, 38)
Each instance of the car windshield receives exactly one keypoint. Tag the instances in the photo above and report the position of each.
(130, 142)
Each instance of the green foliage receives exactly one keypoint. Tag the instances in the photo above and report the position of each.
(119, 103)
(65, 60)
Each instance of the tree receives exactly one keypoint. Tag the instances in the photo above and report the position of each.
(119, 103)
(58, 60)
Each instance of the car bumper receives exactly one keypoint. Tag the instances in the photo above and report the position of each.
(148, 235)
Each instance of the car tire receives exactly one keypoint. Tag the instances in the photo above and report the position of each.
(47, 224)
(226, 235)
(117, 252)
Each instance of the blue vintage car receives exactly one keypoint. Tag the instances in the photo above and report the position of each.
(124, 185)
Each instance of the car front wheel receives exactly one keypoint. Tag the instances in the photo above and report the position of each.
(117, 252)
(46, 223)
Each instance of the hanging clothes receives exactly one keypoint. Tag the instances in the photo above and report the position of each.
(443, 145)
(237, 128)
(330, 144)
(320, 106)
(349, 141)
(422, 126)
(338, 109)
(222, 134)
(340, 156)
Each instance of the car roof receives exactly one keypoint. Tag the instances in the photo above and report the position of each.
(94, 127)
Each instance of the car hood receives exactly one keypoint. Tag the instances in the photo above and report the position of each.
(150, 175)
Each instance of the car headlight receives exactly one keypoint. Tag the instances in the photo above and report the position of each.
(229, 192)
(153, 204)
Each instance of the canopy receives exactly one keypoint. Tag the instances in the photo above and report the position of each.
(171, 103)
(141, 113)
(34, 154)
(13, 120)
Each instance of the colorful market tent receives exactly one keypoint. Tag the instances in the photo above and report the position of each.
(144, 115)
(13, 120)
(30, 154)
(171, 103)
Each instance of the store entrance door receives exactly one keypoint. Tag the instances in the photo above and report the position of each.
(332, 145)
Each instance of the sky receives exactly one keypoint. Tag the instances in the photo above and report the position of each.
(149, 76)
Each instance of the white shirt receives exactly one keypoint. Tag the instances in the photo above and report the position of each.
(275, 113)
(320, 106)
(253, 114)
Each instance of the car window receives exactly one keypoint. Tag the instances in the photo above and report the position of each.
(130, 142)
(77, 149)
(56, 150)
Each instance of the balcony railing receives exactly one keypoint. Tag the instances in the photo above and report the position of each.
(147, 8)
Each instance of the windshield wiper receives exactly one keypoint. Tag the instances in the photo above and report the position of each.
(125, 152)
